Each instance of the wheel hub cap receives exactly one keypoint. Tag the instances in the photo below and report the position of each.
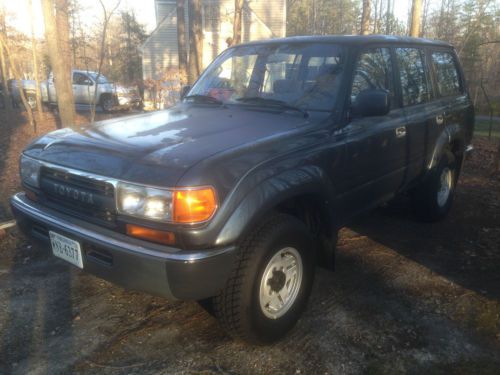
(280, 283)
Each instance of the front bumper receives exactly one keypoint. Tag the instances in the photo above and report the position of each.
(129, 262)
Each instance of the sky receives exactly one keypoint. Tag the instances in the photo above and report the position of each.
(18, 16)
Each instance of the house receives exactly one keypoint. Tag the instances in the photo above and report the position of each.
(261, 19)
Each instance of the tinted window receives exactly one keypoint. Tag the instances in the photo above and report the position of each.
(412, 71)
(373, 71)
(80, 79)
(446, 73)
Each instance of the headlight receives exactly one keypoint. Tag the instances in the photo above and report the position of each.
(145, 202)
(186, 205)
(30, 171)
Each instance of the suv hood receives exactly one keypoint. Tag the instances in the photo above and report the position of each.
(158, 148)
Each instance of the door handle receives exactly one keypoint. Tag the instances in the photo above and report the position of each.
(401, 131)
(440, 119)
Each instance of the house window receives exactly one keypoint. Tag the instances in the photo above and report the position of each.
(211, 17)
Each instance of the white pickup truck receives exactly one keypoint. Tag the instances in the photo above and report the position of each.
(109, 96)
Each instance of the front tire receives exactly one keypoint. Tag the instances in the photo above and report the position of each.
(269, 287)
(107, 103)
(31, 99)
(433, 199)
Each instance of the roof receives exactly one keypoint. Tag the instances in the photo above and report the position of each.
(354, 39)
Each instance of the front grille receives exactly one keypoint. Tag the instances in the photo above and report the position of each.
(78, 195)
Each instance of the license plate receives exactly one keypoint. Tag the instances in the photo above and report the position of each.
(66, 248)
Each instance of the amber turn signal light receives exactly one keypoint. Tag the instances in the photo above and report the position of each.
(194, 205)
(154, 235)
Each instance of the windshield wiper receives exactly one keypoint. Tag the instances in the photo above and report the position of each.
(268, 102)
(204, 99)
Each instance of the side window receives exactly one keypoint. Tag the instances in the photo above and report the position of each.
(412, 71)
(373, 71)
(447, 77)
(80, 79)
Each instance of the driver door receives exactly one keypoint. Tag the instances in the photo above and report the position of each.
(83, 88)
(376, 146)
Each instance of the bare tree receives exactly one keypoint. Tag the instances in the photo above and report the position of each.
(425, 17)
(195, 62)
(365, 18)
(57, 37)
(13, 63)
(238, 11)
(416, 15)
(102, 53)
(3, 65)
(36, 70)
(181, 41)
(388, 17)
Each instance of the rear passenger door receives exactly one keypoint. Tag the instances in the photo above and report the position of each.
(423, 114)
(449, 89)
(376, 146)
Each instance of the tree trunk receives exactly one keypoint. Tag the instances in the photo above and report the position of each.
(365, 18)
(57, 37)
(238, 11)
(195, 40)
(181, 41)
(36, 71)
(388, 14)
(17, 76)
(416, 15)
(7, 100)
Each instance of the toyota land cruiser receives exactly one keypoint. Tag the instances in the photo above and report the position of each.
(234, 195)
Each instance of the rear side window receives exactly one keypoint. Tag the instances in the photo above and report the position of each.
(447, 77)
(412, 71)
(373, 71)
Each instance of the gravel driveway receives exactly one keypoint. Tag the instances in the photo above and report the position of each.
(406, 297)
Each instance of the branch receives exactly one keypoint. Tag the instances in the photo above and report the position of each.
(489, 42)
(107, 17)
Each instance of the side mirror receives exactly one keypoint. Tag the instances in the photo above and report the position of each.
(185, 90)
(372, 102)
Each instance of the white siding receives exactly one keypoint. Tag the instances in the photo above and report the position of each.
(272, 14)
(159, 52)
(262, 19)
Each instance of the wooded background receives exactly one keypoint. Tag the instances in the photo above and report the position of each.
(111, 42)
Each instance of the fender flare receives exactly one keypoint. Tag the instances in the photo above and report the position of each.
(449, 134)
(260, 200)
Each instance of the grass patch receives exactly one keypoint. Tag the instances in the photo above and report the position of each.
(482, 128)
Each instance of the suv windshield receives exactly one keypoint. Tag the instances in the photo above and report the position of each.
(287, 75)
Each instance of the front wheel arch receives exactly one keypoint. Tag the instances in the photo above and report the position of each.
(258, 201)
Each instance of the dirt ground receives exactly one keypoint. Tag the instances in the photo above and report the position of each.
(406, 298)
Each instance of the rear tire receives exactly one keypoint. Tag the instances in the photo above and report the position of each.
(271, 282)
(433, 199)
